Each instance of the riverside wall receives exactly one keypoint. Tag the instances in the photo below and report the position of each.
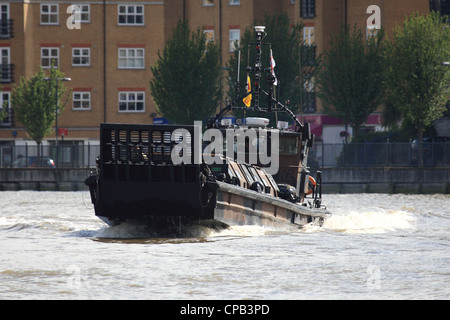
(386, 180)
(334, 180)
(43, 179)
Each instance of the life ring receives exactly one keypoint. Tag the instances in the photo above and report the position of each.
(311, 185)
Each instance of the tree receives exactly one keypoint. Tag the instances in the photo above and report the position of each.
(350, 78)
(288, 50)
(416, 77)
(4, 111)
(186, 84)
(34, 102)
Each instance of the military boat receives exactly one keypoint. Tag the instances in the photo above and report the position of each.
(235, 173)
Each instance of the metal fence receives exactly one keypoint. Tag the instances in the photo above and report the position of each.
(436, 154)
(83, 155)
(72, 155)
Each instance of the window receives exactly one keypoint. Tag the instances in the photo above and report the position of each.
(81, 100)
(235, 36)
(308, 51)
(308, 35)
(49, 56)
(371, 32)
(130, 58)
(49, 14)
(5, 22)
(209, 34)
(81, 57)
(84, 12)
(6, 68)
(5, 105)
(131, 15)
(131, 101)
(308, 95)
(307, 9)
(208, 3)
(234, 2)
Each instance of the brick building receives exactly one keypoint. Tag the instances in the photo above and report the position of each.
(108, 56)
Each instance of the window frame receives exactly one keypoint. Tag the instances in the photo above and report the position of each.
(88, 13)
(126, 14)
(128, 101)
(209, 34)
(49, 14)
(6, 68)
(232, 46)
(307, 9)
(6, 31)
(50, 57)
(309, 35)
(234, 2)
(81, 100)
(128, 57)
(81, 56)
(208, 3)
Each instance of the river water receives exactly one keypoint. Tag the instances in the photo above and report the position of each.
(374, 246)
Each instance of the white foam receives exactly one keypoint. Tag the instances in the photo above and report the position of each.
(373, 220)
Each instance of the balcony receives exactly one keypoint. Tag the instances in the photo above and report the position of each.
(6, 73)
(308, 101)
(308, 55)
(6, 28)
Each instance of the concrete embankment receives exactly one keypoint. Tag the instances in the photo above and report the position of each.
(335, 180)
(43, 179)
(386, 180)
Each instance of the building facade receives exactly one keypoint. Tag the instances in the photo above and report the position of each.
(108, 49)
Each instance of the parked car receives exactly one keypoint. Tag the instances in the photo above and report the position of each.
(33, 162)
(434, 150)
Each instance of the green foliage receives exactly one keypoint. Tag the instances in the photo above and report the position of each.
(291, 70)
(187, 77)
(350, 78)
(4, 112)
(34, 102)
(417, 80)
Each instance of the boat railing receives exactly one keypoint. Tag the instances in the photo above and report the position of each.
(144, 153)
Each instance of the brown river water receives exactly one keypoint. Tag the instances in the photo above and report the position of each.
(375, 246)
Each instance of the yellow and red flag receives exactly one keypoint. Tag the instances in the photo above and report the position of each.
(248, 99)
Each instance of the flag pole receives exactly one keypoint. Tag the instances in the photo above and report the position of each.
(238, 73)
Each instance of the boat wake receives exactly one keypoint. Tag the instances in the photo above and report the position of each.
(201, 230)
(373, 220)
(343, 220)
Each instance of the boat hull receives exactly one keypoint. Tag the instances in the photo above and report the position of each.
(226, 205)
(138, 181)
(235, 206)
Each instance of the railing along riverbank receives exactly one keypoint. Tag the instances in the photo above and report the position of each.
(356, 167)
(335, 180)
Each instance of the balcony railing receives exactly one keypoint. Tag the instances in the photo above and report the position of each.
(308, 101)
(6, 28)
(308, 55)
(6, 73)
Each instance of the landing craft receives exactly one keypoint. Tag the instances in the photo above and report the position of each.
(154, 175)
